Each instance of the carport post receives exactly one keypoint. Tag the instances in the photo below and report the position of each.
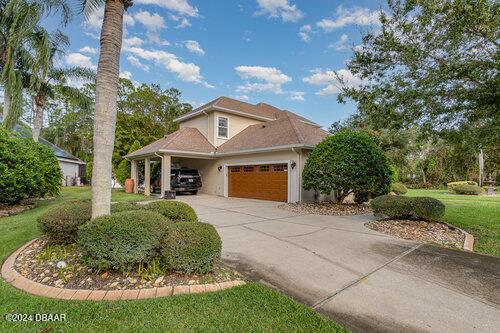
(133, 174)
(147, 176)
(165, 174)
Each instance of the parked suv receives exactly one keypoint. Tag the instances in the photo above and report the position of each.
(185, 180)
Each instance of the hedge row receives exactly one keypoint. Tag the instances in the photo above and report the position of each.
(401, 207)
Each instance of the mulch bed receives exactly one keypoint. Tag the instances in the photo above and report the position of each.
(38, 262)
(421, 231)
(328, 208)
(7, 210)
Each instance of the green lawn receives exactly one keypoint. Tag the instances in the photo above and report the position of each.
(479, 215)
(249, 308)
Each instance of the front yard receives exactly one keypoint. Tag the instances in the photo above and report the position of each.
(249, 308)
(479, 215)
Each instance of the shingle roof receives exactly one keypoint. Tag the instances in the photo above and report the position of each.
(262, 110)
(185, 139)
(285, 131)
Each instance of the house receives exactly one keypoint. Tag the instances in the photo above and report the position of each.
(240, 149)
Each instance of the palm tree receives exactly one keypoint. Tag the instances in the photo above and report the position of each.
(19, 27)
(108, 69)
(46, 77)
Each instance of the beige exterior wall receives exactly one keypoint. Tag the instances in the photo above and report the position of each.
(200, 122)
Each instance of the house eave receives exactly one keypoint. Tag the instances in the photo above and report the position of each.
(218, 108)
(266, 149)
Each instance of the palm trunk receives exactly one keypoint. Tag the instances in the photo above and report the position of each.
(7, 99)
(105, 106)
(38, 118)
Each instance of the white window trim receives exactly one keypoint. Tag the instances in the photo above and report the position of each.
(217, 128)
(289, 169)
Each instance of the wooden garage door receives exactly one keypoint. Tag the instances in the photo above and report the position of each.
(265, 182)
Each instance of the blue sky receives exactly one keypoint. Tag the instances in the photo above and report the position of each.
(282, 52)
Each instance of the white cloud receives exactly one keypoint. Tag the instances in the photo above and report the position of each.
(137, 63)
(194, 47)
(94, 20)
(126, 75)
(242, 97)
(297, 96)
(184, 23)
(88, 49)
(346, 16)
(271, 79)
(330, 79)
(128, 20)
(305, 32)
(188, 72)
(152, 22)
(341, 44)
(280, 8)
(91, 34)
(80, 60)
(155, 38)
(179, 6)
(132, 41)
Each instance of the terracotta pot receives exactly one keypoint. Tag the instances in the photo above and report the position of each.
(129, 185)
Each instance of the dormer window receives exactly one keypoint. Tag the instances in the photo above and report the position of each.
(222, 128)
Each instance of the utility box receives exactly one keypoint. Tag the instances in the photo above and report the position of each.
(169, 195)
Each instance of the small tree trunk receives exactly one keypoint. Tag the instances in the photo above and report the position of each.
(38, 118)
(105, 105)
(7, 99)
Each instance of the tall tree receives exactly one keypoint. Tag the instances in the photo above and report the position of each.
(106, 100)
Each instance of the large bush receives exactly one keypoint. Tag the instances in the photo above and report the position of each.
(398, 188)
(190, 248)
(452, 185)
(400, 207)
(121, 241)
(349, 161)
(27, 169)
(175, 211)
(467, 189)
(124, 206)
(60, 223)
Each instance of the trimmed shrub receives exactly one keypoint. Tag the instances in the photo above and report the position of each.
(27, 169)
(175, 211)
(347, 161)
(452, 185)
(398, 188)
(121, 241)
(124, 206)
(190, 248)
(400, 207)
(60, 223)
(467, 189)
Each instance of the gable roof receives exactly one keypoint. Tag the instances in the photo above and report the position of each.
(183, 140)
(260, 111)
(288, 130)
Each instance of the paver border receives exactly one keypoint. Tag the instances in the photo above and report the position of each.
(20, 282)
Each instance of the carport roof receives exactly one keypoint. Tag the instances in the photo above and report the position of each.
(185, 140)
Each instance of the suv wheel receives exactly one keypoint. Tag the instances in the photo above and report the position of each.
(194, 192)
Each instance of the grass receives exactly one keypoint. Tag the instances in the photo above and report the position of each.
(478, 215)
(249, 308)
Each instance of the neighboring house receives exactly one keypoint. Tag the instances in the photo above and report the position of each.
(240, 149)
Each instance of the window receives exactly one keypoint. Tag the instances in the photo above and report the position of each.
(280, 167)
(235, 169)
(264, 168)
(222, 128)
(248, 168)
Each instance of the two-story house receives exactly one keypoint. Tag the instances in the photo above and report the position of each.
(240, 149)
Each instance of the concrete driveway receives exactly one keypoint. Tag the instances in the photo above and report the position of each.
(364, 279)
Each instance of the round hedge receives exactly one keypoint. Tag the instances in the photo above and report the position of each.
(401, 207)
(60, 223)
(398, 188)
(452, 185)
(349, 161)
(124, 206)
(28, 169)
(175, 211)
(121, 241)
(467, 189)
(190, 248)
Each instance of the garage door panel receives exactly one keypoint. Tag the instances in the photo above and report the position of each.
(266, 182)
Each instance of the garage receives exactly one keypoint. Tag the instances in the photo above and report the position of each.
(264, 182)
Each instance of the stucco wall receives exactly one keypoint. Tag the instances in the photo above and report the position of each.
(236, 124)
(200, 122)
(69, 170)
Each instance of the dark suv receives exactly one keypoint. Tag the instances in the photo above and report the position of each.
(185, 180)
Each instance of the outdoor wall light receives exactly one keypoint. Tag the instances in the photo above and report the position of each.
(293, 164)
(219, 168)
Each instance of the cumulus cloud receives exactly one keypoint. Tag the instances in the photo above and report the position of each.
(188, 72)
(183, 22)
(330, 79)
(280, 8)
(297, 96)
(126, 75)
(152, 22)
(305, 33)
(132, 41)
(179, 6)
(341, 44)
(80, 60)
(137, 63)
(88, 49)
(154, 37)
(347, 16)
(269, 79)
(242, 97)
(194, 47)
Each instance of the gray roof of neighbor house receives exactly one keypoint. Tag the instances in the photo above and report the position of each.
(183, 140)
(260, 111)
(286, 131)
